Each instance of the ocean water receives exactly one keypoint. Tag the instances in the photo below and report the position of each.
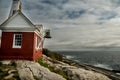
(104, 59)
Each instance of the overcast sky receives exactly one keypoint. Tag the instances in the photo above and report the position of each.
(74, 24)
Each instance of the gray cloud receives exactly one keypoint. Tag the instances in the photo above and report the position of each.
(4, 3)
(115, 3)
(75, 13)
(59, 4)
(4, 9)
(108, 15)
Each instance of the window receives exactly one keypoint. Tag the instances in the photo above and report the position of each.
(0, 42)
(17, 42)
(0, 37)
(38, 43)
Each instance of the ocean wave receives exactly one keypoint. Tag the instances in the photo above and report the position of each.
(104, 59)
(76, 60)
(69, 56)
(105, 66)
(118, 73)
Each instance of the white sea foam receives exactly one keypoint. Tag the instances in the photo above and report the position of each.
(105, 66)
(69, 56)
(118, 73)
(77, 60)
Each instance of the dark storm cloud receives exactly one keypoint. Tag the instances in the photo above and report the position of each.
(115, 3)
(56, 3)
(108, 15)
(43, 9)
(4, 3)
(41, 4)
(75, 14)
(51, 9)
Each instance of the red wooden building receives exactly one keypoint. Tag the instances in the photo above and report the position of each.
(20, 38)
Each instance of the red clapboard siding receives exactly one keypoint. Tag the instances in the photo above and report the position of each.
(26, 50)
(37, 52)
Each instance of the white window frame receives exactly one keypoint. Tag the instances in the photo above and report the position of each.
(38, 45)
(0, 42)
(0, 37)
(14, 44)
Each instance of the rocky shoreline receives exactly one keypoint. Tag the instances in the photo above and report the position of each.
(52, 66)
(109, 73)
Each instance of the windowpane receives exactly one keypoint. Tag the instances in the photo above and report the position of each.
(38, 43)
(17, 40)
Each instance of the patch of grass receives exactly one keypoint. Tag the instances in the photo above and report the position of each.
(16, 76)
(1, 63)
(13, 64)
(54, 56)
(45, 65)
(3, 73)
(35, 77)
(62, 73)
(40, 61)
(52, 69)
(5, 68)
